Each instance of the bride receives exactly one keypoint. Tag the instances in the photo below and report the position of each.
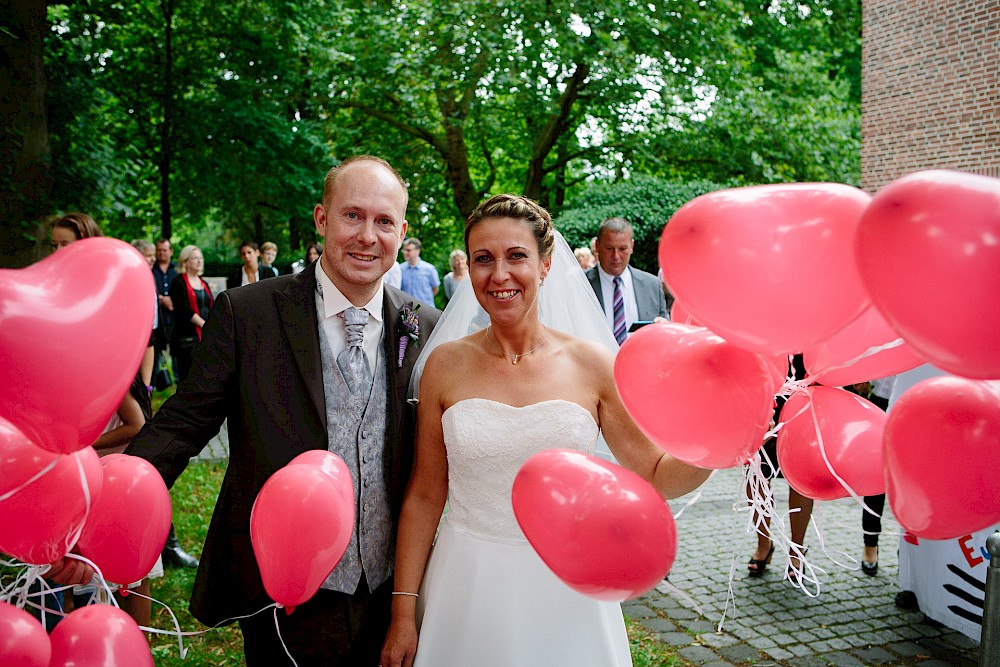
(488, 401)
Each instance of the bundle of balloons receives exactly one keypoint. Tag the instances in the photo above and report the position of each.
(73, 329)
(863, 287)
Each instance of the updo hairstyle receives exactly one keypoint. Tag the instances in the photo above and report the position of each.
(519, 208)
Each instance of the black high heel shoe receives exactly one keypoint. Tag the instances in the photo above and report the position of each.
(794, 573)
(755, 568)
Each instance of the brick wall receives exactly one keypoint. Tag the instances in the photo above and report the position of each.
(930, 95)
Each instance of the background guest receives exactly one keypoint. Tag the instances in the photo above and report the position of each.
(459, 271)
(192, 302)
(627, 294)
(252, 270)
(585, 257)
(70, 228)
(313, 252)
(164, 272)
(800, 507)
(420, 278)
(269, 253)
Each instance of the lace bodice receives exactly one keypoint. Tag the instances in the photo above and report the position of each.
(487, 443)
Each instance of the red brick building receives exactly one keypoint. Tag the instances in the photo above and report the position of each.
(930, 88)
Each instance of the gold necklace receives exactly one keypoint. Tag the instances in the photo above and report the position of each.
(514, 358)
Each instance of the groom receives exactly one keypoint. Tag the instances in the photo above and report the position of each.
(270, 363)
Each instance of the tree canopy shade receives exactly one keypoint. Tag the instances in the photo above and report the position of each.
(213, 122)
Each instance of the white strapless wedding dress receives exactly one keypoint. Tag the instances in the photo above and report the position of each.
(487, 599)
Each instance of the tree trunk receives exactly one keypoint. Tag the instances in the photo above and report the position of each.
(25, 177)
(465, 194)
(552, 133)
(169, 111)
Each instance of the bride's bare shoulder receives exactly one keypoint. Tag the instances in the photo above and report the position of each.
(583, 351)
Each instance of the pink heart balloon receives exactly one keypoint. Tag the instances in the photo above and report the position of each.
(832, 362)
(768, 267)
(23, 641)
(700, 398)
(300, 526)
(851, 431)
(44, 497)
(128, 525)
(927, 250)
(600, 528)
(941, 443)
(99, 634)
(73, 329)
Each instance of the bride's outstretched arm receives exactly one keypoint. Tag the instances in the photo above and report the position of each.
(671, 477)
(422, 506)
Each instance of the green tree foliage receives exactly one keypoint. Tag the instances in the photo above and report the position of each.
(195, 109)
(526, 96)
(790, 112)
(214, 122)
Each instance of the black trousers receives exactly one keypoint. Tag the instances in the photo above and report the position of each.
(329, 630)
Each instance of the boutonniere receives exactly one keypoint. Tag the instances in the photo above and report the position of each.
(408, 327)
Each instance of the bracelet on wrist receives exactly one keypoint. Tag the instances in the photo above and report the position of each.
(412, 595)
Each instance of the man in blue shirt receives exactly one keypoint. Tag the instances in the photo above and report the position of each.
(420, 278)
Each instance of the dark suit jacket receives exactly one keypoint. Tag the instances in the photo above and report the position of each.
(648, 293)
(235, 279)
(259, 366)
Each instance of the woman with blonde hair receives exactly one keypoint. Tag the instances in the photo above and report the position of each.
(193, 301)
(459, 271)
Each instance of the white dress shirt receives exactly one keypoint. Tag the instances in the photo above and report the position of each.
(628, 296)
(332, 303)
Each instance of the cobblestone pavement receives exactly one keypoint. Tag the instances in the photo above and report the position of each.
(851, 621)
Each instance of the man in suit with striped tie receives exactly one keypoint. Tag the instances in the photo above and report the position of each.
(626, 293)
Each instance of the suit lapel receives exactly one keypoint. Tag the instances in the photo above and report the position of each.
(296, 305)
(399, 376)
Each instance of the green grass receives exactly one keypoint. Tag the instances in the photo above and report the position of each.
(647, 650)
(193, 498)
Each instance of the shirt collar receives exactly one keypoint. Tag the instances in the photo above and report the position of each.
(608, 279)
(334, 301)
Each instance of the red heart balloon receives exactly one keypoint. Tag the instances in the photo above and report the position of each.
(941, 443)
(73, 329)
(768, 267)
(600, 528)
(929, 255)
(851, 430)
(832, 362)
(99, 634)
(701, 399)
(44, 497)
